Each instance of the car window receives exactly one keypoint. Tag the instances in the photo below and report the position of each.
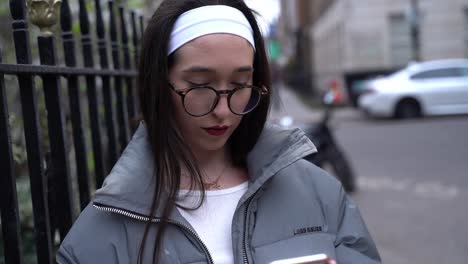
(439, 73)
(464, 72)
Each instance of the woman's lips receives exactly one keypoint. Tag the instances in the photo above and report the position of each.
(216, 130)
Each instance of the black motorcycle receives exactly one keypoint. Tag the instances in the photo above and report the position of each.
(329, 156)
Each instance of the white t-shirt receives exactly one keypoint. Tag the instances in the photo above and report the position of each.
(212, 221)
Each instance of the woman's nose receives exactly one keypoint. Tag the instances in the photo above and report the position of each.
(222, 108)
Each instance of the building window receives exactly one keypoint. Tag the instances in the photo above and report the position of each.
(466, 32)
(400, 40)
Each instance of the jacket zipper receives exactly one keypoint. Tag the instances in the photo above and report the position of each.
(156, 220)
(244, 240)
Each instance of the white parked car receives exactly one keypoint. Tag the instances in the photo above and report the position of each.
(429, 88)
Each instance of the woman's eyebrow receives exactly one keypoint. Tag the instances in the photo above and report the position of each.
(201, 69)
(245, 69)
(198, 69)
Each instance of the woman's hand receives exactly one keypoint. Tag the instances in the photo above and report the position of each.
(331, 261)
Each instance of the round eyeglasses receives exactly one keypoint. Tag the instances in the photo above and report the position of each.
(201, 100)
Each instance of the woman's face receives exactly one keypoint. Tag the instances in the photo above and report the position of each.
(223, 62)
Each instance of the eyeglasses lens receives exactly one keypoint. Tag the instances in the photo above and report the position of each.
(244, 100)
(201, 101)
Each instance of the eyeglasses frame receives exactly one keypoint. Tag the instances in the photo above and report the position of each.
(183, 92)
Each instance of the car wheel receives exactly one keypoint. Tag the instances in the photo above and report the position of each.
(408, 108)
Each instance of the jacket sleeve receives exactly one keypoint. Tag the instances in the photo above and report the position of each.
(95, 237)
(77, 255)
(354, 244)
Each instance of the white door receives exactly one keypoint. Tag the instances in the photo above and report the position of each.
(443, 91)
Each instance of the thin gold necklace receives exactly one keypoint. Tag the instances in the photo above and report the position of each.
(215, 184)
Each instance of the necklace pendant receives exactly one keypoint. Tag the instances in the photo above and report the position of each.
(211, 186)
(215, 184)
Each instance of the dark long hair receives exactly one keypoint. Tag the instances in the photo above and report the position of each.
(170, 152)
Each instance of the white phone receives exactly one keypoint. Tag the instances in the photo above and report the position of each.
(312, 259)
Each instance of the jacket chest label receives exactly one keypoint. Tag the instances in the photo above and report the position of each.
(310, 229)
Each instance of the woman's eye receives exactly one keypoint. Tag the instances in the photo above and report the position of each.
(198, 83)
(239, 84)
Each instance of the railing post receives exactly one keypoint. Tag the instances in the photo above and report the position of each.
(75, 106)
(136, 45)
(127, 65)
(142, 26)
(32, 135)
(106, 88)
(117, 80)
(45, 14)
(136, 39)
(92, 95)
(137, 36)
(8, 198)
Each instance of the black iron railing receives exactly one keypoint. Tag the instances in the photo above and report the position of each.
(49, 169)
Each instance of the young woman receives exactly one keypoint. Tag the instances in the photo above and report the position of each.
(203, 180)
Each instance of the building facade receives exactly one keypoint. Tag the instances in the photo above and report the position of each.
(360, 38)
(294, 24)
(348, 40)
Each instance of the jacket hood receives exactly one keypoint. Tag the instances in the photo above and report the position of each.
(130, 185)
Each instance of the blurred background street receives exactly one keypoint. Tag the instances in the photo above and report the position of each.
(412, 180)
(403, 63)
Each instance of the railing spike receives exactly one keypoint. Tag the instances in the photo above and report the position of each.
(99, 21)
(113, 28)
(134, 28)
(142, 26)
(84, 19)
(18, 9)
(65, 16)
(135, 38)
(123, 25)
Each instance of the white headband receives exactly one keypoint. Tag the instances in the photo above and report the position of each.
(208, 20)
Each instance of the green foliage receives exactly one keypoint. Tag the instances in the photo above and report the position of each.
(27, 225)
(25, 203)
(26, 218)
(29, 250)
(4, 9)
(76, 28)
(91, 165)
(136, 4)
(90, 6)
(17, 140)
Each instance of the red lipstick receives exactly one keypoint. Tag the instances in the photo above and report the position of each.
(216, 130)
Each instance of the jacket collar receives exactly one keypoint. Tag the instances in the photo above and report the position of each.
(130, 184)
(276, 149)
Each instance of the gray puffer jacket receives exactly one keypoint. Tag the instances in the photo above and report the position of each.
(291, 208)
